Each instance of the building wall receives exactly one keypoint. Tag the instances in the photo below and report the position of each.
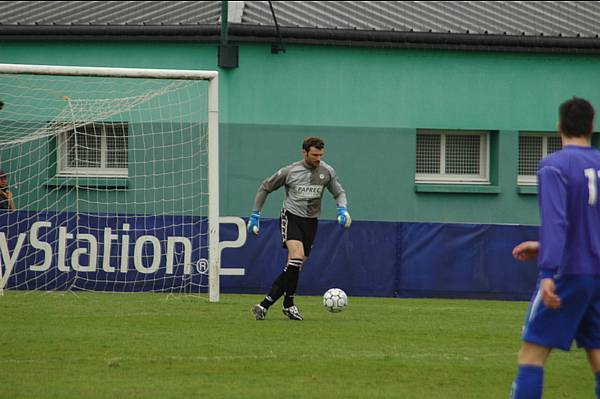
(367, 104)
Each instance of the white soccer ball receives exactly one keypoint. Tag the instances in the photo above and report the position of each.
(335, 300)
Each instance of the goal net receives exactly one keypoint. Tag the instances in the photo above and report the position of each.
(114, 176)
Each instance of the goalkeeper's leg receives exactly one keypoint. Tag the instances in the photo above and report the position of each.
(292, 274)
(296, 259)
(286, 283)
(291, 283)
(276, 291)
(297, 236)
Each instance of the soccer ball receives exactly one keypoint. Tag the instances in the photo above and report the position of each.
(335, 300)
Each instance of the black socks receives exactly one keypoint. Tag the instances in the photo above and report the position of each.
(286, 282)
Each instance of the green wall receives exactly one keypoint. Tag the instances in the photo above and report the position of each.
(367, 104)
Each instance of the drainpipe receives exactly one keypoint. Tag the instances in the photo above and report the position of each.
(228, 53)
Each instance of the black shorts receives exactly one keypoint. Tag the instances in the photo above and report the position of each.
(298, 228)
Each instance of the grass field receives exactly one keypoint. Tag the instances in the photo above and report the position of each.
(87, 345)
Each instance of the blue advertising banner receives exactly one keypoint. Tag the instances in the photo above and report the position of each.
(102, 252)
(395, 259)
(112, 252)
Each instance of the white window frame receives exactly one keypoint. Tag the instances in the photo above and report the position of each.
(531, 180)
(63, 170)
(442, 178)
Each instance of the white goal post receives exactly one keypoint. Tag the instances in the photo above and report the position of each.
(82, 162)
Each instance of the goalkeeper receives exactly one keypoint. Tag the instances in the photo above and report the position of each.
(304, 183)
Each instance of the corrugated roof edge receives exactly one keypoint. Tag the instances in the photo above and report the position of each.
(334, 37)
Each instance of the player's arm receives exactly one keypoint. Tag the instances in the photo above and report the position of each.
(552, 189)
(11, 201)
(527, 250)
(341, 202)
(267, 186)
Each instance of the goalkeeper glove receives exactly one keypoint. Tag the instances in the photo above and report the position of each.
(254, 223)
(343, 217)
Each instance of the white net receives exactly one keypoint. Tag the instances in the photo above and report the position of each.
(109, 177)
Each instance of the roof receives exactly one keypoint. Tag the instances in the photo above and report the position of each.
(549, 24)
(99, 13)
(549, 18)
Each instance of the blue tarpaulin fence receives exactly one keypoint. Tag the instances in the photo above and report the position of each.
(395, 259)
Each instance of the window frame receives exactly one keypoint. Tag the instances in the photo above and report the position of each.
(531, 180)
(62, 151)
(483, 178)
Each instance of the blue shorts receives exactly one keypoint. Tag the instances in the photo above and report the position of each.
(578, 317)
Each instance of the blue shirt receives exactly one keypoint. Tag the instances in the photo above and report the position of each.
(568, 196)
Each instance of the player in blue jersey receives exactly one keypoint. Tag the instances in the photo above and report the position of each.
(305, 182)
(566, 306)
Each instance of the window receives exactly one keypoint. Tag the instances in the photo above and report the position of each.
(457, 157)
(532, 148)
(93, 149)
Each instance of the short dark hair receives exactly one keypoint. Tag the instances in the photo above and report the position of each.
(313, 141)
(576, 118)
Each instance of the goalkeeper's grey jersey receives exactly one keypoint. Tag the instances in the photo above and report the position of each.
(304, 188)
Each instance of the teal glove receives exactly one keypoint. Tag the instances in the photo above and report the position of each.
(343, 217)
(254, 223)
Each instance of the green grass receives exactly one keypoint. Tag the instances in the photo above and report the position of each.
(88, 345)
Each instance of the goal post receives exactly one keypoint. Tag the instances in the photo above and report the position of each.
(115, 176)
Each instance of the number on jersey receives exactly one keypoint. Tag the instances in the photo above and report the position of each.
(592, 176)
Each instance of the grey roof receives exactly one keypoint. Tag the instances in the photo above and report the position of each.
(530, 18)
(539, 26)
(549, 18)
(109, 12)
